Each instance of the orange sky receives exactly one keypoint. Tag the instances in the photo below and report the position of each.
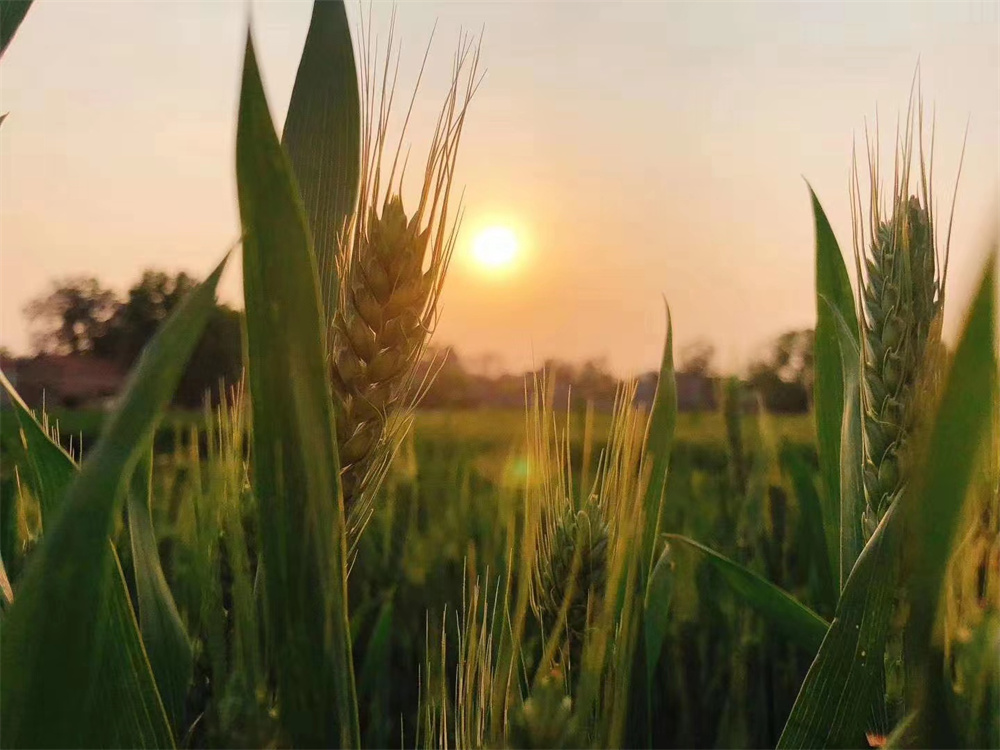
(638, 149)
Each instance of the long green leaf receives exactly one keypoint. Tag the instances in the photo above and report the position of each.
(797, 621)
(833, 283)
(12, 12)
(296, 470)
(323, 135)
(659, 441)
(852, 492)
(656, 615)
(958, 438)
(44, 466)
(833, 707)
(74, 670)
(163, 632)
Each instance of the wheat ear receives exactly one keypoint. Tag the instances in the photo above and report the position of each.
(391, 270)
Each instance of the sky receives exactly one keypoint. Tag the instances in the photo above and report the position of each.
(638, 150)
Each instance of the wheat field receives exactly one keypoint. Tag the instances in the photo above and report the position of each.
(317, 562)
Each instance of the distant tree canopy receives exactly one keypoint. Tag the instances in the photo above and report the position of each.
(697, 358)
(72, 317)
(79, 316)
(784, 377)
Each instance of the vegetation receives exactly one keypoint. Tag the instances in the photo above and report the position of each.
(584, 584)
(80, 317)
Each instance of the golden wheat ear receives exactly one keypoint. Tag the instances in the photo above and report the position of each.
(392, 268)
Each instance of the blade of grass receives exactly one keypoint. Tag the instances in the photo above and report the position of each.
(323, 136)
(659, 440)
(74, 670)
(12, 12)
(833, 283)
(163, 632)
(797, 621)
(296, 469)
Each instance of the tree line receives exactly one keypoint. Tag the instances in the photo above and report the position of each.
(79, 316)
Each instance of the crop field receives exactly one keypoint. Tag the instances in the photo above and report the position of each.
(313, 560)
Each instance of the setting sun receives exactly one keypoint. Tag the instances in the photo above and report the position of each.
(495, 247)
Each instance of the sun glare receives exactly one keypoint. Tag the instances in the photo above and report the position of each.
(495, 248)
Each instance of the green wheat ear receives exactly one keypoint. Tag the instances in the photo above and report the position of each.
(903, 299)
(572, 576)
(546, 719)
(902, 282)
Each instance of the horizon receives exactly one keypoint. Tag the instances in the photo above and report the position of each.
(636, 150)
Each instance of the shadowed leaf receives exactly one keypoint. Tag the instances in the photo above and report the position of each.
(833, 283)
(12, 12)
(852, 490)
(296, 469)
(162, 630)
(779, 608)
(656, 615)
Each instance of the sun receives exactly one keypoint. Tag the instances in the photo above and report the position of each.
(495, 248)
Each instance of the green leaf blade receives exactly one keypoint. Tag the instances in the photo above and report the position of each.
(659, 441)
(163, 633)
(833, 283)
(45, 466)
(851, 503)
(656, 610)
(797, 621)
(322, 136)
(297, 482)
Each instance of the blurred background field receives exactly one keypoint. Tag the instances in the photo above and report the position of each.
(435, 533)
(494, 429)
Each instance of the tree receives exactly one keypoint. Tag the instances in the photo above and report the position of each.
(80, 317)
(72, 317)
(217, 361)
(148, 304)
(697, 358)
(784, 378)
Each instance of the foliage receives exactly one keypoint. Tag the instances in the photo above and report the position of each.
(79, 316)
(784, 379)
(73, 317)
